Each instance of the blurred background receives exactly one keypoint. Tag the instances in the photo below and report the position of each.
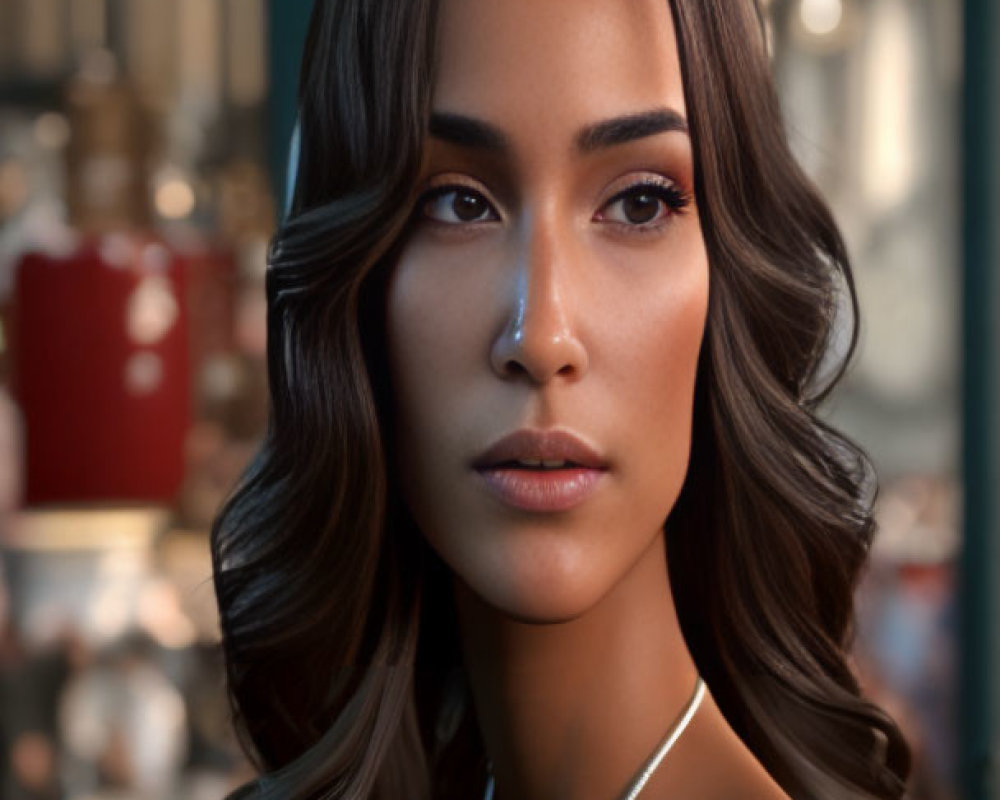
(143, 146)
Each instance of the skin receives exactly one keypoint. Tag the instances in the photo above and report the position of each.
(548, 306)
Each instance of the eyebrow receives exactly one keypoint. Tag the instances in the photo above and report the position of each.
(466, 131)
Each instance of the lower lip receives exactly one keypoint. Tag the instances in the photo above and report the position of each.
(542, 490)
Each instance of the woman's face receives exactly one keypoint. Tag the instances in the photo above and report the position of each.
(555, 287)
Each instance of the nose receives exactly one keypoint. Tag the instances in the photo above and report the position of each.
(540, 340)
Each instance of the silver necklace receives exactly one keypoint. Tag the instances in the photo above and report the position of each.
(644, 774)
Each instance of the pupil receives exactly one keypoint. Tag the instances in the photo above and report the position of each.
(640, 208)
(467, 206)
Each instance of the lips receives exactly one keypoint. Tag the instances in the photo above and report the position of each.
(542, 471)
(538, 447)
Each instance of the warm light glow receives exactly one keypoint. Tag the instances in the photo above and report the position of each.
(889, 158)
(821, 17)
(159, 613)
(175, 199)
(151, 310)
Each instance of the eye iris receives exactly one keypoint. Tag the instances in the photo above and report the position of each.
(468, 206)
(640, 207)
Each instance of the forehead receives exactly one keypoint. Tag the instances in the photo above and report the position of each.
(541, 67)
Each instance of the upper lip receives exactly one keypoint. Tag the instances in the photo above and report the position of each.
(532, 445)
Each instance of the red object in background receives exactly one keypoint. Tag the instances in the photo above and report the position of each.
(101, 371)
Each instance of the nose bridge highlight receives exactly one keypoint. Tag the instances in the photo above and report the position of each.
(539, 336)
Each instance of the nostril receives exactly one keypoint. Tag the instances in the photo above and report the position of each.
(540, 373)
(538, 354)
(515, 368)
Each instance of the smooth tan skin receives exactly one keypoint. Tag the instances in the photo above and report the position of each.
(552, 311)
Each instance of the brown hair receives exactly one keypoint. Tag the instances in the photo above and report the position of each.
(342, 656)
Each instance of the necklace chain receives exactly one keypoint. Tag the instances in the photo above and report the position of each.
(669, 740)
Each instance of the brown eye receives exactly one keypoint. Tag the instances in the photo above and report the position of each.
(468, 206)
(640, 207)
(455, 205)
(644, 206)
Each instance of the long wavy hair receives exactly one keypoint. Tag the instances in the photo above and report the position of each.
(343, 661)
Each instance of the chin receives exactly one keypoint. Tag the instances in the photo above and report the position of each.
(548, 607)
(540, 585)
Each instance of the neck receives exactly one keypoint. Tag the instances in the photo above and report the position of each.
(573, 709)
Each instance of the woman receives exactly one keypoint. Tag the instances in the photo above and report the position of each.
(545, 327)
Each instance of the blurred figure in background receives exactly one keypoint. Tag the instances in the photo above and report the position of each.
(124, 725)
(29, 752)
(29, 687)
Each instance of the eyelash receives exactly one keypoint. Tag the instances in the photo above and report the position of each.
(675, 200)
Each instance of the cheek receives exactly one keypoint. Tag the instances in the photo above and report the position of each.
(422, 335)
(414, 370)
(430, 328)
(653, 375)
(666, 361)
(425, 329)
